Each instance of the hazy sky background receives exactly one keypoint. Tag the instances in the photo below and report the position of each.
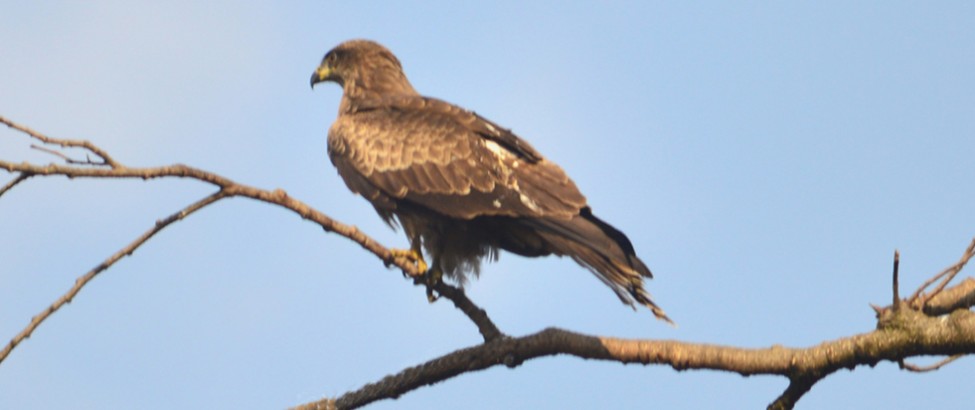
(765, 159)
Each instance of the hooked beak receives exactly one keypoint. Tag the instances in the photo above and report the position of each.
(321, 74)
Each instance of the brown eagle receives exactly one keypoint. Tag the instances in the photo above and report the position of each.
(462, 187)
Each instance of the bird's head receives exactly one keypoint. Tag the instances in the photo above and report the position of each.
(361, 67)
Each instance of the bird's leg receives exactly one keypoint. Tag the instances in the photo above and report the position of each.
(433, 277)
(414, 254)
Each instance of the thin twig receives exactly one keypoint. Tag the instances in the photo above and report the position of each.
(67, 159)
(13, 182)
(87, 277)
(946, 276)
(932, 367)
(897, 262)
(953, 271)
(107, 159)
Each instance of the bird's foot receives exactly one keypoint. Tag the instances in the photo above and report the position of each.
(414, 257)
(429, 277)
(432, 279)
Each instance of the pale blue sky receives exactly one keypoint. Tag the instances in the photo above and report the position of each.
(765, 159)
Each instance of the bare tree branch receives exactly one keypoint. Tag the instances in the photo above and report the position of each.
(960, 296)
(276, 197)
(908, 333)
(939, 323)
(477, 315)
(900, 333)
(227, 188)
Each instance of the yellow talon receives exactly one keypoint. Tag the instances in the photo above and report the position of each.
(413, 256)
(430, 276)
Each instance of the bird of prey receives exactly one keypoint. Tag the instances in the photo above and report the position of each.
(462, 187)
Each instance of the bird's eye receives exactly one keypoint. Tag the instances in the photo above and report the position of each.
(333, 56)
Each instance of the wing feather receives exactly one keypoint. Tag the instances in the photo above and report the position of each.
(449, 160)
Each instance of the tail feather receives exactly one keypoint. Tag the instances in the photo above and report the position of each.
(605, 251)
